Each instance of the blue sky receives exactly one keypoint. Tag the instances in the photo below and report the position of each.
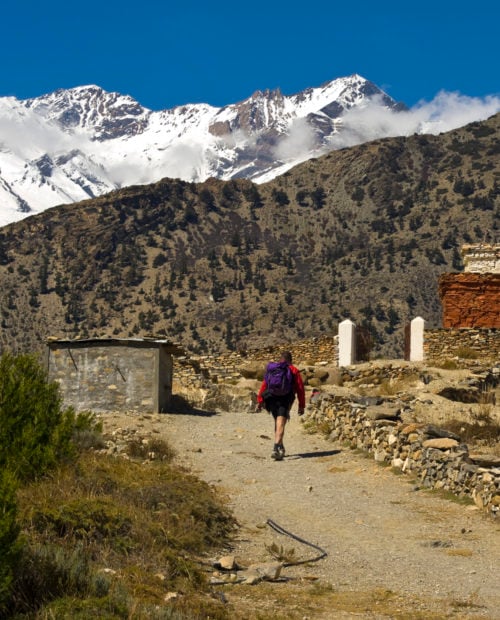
(165, 54)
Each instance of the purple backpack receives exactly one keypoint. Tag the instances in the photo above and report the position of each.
(279, 378)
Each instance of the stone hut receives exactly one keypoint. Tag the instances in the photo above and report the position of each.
(113, 374)
(472, 298)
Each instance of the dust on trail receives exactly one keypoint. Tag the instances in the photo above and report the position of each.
(379, 530)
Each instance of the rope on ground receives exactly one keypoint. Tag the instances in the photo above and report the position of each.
(281, 530)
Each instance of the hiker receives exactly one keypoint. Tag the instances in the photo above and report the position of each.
(281, 383)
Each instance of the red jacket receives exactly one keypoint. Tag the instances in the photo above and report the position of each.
(298, 388)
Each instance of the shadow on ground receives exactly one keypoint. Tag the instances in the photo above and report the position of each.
(180, 405)
(311, 455)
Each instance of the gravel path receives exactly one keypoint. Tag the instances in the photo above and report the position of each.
(379, 529)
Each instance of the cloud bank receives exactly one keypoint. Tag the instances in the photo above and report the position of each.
(445, 112)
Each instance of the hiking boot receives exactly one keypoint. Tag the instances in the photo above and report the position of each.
(277, 454)
(281, 450)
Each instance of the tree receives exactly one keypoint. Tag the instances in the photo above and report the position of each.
(208, 200)
(280, 197)
(9, 531)
(35, 430)
(36, 433)
(318, 197)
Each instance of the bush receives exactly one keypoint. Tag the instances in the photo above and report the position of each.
(47, 572)
(35, 434)
(35, 431)
(9, 530)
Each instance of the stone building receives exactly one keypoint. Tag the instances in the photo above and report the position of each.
(472, 298)
(113, 374)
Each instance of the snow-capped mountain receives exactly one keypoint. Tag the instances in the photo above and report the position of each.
(79, 143)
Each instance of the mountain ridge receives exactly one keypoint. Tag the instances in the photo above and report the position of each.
(82, 142)
(361, 233)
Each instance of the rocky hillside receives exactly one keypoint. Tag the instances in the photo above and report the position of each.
(361, 233)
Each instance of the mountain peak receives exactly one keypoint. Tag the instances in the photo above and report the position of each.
(98, 140)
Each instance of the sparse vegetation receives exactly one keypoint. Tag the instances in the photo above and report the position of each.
(467, 353)
(481, 430)
(158, 259)
(279, 553)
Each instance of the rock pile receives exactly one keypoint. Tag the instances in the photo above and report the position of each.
(370, 375)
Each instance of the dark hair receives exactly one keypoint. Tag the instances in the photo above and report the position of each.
(287, 356)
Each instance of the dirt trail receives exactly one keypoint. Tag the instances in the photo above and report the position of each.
(380, 531)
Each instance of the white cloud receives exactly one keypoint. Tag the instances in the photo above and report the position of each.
(28, 136)
(445, 112)
(298, 143)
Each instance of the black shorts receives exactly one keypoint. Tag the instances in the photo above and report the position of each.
(279, 405)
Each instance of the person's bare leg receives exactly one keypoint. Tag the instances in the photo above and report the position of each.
(279, 429)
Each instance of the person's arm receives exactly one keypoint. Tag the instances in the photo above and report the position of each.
(299, 390)
(260, 399)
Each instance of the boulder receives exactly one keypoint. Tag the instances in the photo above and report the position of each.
(321, 374)
(253, 370)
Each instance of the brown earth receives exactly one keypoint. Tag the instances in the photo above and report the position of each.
(394, 550)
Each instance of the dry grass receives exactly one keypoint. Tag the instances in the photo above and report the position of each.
(391, 387)
(140, 524)
(280, 554)
(482, 430)
(298, 599)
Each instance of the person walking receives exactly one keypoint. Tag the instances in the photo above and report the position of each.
(282, 382)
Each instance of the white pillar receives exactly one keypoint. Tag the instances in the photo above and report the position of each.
(347, 343)
(417, 339)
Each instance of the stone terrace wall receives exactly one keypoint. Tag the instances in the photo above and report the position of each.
(200, 371)
(434, 456)
(440, 345)
(444, 344)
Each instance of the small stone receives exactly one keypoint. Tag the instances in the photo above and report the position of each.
(267, 570)
(227, 562)
(250, 577)
(444, 443)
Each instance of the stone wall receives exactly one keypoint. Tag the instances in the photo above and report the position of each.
(435, 457)
(200, 371)
(464, 345)
(470, 299)
(440, 345)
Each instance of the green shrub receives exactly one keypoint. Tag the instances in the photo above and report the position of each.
(35, 434)
(35, 431)
(47, 572)
(9, 530)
